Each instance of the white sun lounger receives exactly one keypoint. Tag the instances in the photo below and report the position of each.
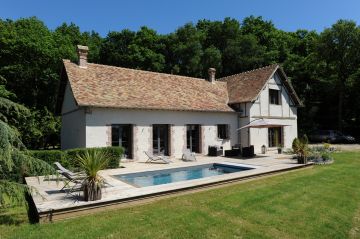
(152, 158)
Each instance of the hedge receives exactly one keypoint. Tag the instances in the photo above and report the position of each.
(68, 157)
(49, 156)
(114, 153)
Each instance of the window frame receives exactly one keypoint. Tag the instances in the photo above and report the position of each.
(223, 133)
(272, 96)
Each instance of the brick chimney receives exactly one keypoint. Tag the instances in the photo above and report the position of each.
(82, 52)
(212, 72)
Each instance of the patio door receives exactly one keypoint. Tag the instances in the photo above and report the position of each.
(275, 136)
(161, 139)
(193, 137)
(121, 135)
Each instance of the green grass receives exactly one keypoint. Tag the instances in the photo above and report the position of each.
(319, 202)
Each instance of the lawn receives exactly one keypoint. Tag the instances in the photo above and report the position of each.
(319, 202)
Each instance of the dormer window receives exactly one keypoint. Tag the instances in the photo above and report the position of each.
(274, 97)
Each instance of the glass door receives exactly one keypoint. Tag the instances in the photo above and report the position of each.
(121, 135)
(193, 137)
(161, 139)
(275, 136)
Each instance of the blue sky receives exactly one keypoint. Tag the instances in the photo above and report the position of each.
(165, 16)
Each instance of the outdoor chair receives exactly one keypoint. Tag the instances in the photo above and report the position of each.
(157, 158)
(76, 181)
(71, 177)
(188, 156)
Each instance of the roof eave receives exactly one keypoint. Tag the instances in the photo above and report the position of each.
(159, 109)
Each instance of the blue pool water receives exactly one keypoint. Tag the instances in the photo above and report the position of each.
(158, 177)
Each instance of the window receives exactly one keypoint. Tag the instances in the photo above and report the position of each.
(274, 97)
(223, 131)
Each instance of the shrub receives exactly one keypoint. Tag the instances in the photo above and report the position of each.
(49, 156)
(114, 154)
(327, 146)
(68, 157)
(326, 156)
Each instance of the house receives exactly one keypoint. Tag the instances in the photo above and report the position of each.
(104, 105)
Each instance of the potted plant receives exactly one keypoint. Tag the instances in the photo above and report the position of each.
(301, 149)
(92, 161)
(280, 148)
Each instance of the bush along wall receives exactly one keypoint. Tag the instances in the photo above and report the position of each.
(49, 156)
(68, 157)
(114, 153)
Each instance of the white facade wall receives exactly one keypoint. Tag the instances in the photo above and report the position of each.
(72, 122)
(98, 121)
(284, 113)
(244, 119)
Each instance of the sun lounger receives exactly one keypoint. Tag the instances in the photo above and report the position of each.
(152, 158)
(71, 177)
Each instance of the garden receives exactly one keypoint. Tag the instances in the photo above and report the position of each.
(318, 202)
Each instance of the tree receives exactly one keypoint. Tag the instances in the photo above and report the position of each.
(211, 59)
(14, 162)
(40, 129)
(242, 54)
(29, 57)
(145, 51)
(114, 49)
(186, 47)
(338, 50)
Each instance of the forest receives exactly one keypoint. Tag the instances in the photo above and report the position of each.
(324, 67)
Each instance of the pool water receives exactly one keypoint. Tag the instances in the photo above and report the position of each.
(159, 177)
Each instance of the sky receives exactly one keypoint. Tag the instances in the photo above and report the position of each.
(164, 16)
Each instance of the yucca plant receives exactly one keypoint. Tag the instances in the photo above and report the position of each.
(91, 162)
(301, 149)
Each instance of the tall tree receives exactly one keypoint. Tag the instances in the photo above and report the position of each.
(29, 57)
(114, 49)
(14, 162)
(186, 45)
(242, 54)
(338, 51)
(145, 51)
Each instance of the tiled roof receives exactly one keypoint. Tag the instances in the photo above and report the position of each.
(246, 86)
(116, 87)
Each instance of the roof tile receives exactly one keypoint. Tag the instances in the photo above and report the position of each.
(245, 87)
(117, 87)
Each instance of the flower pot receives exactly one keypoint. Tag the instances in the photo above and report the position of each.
(92, 192)
(280, 150)
(302, 160)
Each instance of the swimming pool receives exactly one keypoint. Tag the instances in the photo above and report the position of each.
(151, 178)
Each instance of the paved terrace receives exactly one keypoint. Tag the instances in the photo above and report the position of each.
(49, 199)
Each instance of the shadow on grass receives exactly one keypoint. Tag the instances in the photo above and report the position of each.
(10, 218)
(19, 214)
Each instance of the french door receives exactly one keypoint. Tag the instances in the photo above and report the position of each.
(161, 139)
(193, 137)
(121, 135)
